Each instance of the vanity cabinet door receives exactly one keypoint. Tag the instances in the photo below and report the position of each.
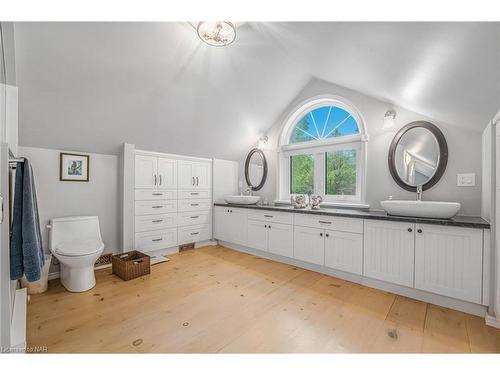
(222, 224)
(448, 261)
(257, 235)
(344, 251)
(280, 239)
(389, 251)
(309, 245)
(185, 175)
(145, 172)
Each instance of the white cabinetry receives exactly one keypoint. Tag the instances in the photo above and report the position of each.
(231, 225)
(164, 215)
(273, 237)
(194, 175)
(389, 251)
(309, 245)
(448, 261)
(344, 251)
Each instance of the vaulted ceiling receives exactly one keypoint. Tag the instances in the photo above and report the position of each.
(92, 86)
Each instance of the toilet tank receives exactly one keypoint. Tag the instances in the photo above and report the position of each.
(73, 228)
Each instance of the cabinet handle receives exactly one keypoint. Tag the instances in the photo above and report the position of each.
(321, 234)
(269, 226)
(157, 194)
(157, 221)
(324, 222)
(157, 239)
(192, 183)
(327, 235)
(268, 216)
(197, 181)
(194, 217)
(154, 179)
(157, 207)
(195, 233)
(160, 180)
(194, 204)
(265, 226)
(410, 230)
(419, 230)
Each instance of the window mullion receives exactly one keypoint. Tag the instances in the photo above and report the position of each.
(319, 173)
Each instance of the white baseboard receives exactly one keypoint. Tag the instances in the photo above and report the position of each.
(492, 321)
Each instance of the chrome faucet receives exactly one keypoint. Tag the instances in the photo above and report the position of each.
(419, 192)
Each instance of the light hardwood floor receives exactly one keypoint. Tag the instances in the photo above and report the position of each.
(215, 299)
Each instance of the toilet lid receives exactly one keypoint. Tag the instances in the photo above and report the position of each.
(79, 247)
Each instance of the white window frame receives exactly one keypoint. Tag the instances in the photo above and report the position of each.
(318, 149)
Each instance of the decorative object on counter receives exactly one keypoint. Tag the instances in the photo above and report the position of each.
(74, 167)
(298, 201)
(316, 202)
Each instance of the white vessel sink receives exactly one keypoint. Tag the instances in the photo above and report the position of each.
(431, 209)
(242, 199)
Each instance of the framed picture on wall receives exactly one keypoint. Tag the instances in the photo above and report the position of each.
(74, 167)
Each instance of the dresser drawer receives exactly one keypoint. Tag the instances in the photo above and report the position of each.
(342, 224)
(194, 218)
(145, 223)
(149, 195)
(188, 205)
(198, 194)
(155, 240)
(155, 207)
(195, 233)
(271, 216)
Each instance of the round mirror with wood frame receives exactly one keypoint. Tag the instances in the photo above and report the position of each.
(418, 155)
(256, 169)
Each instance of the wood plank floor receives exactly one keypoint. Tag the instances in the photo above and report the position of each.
(214, 299)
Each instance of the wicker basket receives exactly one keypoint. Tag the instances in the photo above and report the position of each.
(131, 265)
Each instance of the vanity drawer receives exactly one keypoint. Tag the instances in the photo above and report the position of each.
(148, 195)
(342, 224)
(155, 207)
(194, 218)
(145, 223)
(195, 233)
(198, 194)
(271, 216)
(188, 205)
(155, 240)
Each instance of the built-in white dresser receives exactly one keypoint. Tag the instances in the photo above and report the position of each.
(172, 205)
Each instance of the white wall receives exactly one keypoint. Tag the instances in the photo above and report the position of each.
(464, 148)
(99, 196)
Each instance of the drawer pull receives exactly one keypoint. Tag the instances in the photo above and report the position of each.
(194, 204)
(195, 233)
(157, 239)
(157, 194)
(157, 221)
(195, 193)
(324, 222)
(268, 216)
(157, 207)
(194, 217)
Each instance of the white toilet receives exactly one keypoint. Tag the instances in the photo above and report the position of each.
(76, 242)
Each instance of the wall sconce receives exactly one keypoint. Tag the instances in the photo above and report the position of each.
(262, 142)
(389, 118)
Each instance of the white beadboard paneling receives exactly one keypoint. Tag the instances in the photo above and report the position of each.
(257, 235)
(389, 251)
(344, 251)
(280, 239)
(448, 261)
(309, 245)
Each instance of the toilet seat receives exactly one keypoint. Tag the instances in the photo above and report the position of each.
(79, 248)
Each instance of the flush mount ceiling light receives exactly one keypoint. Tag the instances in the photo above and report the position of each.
(218, 34)
(389, 118)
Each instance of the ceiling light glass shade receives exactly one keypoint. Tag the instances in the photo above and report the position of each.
(219, 34)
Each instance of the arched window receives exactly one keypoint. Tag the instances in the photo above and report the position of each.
(322, 152)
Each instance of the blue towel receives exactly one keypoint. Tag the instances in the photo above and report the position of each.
(26, 251)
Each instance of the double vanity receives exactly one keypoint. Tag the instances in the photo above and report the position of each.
(442, 261)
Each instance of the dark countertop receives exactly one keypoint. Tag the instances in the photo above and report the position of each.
(457, 221)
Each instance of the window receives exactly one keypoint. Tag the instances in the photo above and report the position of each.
(322, 151)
